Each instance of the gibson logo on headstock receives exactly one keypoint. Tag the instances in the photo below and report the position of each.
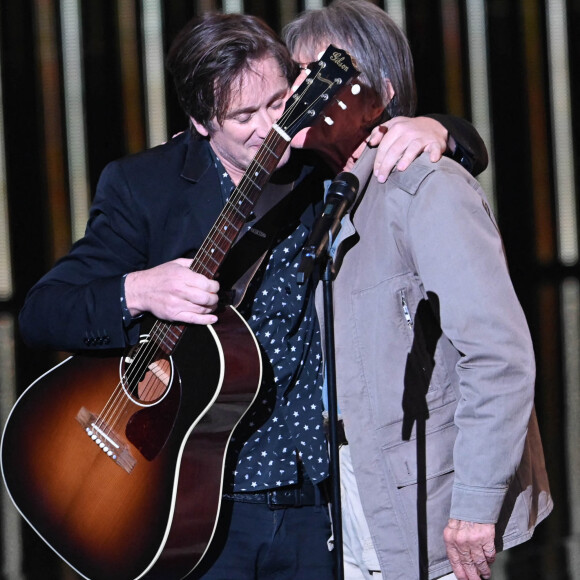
(338, 58)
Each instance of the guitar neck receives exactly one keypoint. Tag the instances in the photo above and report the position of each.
(325, 77)
(239, 206)
(225, 230)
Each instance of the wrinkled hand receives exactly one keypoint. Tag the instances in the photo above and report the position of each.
(470, 548)
(402, 139)
(172, 291)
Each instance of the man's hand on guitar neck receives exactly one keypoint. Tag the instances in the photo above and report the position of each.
(172, 291)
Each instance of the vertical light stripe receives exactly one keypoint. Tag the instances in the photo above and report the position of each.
(207, 6)
(287, 12)
(313, 4)
(570, 298)
(47, 55)
(130, 77)
(233, 6)
(563, 150)
(11, 523)
(6, 284)
(541, 187)
(156, 114)
(452, 52)
(396, 10)
(480, 98)
(75, 116)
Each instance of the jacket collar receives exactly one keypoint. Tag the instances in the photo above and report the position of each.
(198, 159)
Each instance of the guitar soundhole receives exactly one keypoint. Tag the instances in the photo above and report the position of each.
(146, 373)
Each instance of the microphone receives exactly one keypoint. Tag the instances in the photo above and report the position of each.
(340, 196)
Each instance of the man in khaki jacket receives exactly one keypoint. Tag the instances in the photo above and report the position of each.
(435, 366)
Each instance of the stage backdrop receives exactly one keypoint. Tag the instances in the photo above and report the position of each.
(82, 82)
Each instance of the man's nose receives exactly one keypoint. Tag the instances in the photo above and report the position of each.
(264, 121)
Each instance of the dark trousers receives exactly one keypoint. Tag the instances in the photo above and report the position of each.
(274, 544)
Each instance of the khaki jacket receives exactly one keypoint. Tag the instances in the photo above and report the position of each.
(428, 326)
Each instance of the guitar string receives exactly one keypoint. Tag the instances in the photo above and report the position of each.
(239, 198)
(155, 344)
(148, 352)
(152, 350)
(226, 222)
(149, 357)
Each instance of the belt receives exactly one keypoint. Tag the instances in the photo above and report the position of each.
(307, 494)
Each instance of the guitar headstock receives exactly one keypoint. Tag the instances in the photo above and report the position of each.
(330, 73)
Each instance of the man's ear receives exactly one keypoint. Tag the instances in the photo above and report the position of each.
(199, 128)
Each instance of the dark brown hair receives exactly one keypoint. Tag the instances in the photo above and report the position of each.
(209, 55)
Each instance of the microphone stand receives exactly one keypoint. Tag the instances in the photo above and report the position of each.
(330, 359)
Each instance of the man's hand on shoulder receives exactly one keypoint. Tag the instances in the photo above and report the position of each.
(172, 291)
(402, 139)
(470, 548)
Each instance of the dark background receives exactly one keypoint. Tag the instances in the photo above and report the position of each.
(522, 185)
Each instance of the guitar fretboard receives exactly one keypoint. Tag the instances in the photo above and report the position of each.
(226, 228)
(239, 206)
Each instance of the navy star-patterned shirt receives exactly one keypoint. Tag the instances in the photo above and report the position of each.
(283, 429)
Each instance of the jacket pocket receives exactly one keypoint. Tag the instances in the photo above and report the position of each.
(435, 493)
(389, 358)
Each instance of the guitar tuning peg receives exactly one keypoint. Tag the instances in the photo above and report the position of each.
(341, 105)
(328, 121)
(355, 89)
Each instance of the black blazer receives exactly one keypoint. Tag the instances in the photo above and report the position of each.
(148, 209)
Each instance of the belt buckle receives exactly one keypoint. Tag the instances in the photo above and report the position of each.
(274, 499)
(271, 497)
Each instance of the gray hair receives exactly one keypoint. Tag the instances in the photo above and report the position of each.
(375, 42)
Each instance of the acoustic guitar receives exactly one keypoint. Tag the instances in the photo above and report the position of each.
(117, 460)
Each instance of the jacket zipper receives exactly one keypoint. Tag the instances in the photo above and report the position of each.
(406, 312)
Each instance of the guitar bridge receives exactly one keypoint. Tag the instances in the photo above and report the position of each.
(106, 439)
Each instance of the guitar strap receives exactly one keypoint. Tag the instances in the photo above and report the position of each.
(253, 243)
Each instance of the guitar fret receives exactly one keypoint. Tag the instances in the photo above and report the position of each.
(230, 221)
(255, 184)
(225, 233)
(212, 258)
(262, 168)
(273, 153)
(242, 194)
(166, 336)
(239, 211)
(210, 252)
(261, 174)
(208, 271)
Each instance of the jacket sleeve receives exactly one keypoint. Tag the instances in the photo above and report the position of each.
(471, 151)
(459, 258)
(77, 304)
